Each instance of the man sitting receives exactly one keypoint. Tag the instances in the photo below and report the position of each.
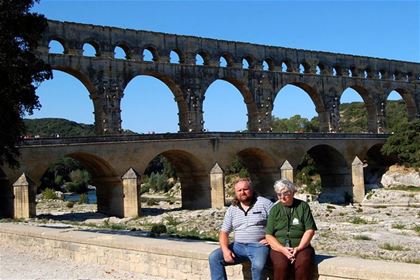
(247, 218)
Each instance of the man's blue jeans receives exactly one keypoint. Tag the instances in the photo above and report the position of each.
(256, 253)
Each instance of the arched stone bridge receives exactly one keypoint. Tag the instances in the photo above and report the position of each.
(199, 160)
(322, 75)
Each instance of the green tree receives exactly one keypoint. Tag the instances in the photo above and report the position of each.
(405, 144)
(20, 71)
(61, 172)
(295, 124)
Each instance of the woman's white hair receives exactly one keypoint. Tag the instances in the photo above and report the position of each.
(284, 184)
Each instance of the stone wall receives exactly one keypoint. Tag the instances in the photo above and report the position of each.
(173, 259)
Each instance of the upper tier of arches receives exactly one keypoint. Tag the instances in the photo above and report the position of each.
(189, 50)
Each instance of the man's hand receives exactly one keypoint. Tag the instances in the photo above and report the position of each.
(228, 256)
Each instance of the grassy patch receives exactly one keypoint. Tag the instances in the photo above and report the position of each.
(404, 188)
(171, 221)
(358, 221)
(416, 228)
(398, 226)
(391, 247)
(361, 237)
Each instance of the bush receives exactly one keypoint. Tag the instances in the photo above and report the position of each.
(158, 229)
(70, 204)
(76, 187)
(49, 194)
(405, 144)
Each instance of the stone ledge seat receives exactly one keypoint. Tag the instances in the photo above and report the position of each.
(172, 259)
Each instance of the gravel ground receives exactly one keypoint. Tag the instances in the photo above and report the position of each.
(19, 265)
(379, 232)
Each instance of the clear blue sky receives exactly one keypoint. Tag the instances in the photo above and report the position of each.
(385, 29)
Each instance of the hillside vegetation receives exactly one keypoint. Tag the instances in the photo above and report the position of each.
(353, 119)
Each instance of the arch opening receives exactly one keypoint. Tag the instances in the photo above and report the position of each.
(185, 175)
(294, 111)
(56, 47)
(353, 112)
(89, 50)
(148, 106)
(395, 111)
(120, 53)
(329, 176)
(221, 97)
(174, 57)
(65, 111)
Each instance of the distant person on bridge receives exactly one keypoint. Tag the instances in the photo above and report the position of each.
(247, 218)
(290, 228)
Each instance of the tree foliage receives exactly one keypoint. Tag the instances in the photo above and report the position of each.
(405, 143)
(68, 175)
(20, 71)
(295, 124)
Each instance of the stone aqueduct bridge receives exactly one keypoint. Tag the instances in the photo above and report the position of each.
(117, 162)
(324, 75)
(199, 160)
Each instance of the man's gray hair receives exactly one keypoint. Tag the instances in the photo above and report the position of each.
(284, 184)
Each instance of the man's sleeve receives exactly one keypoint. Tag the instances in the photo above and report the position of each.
(227, 221)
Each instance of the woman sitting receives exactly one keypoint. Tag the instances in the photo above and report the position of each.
(290, 228)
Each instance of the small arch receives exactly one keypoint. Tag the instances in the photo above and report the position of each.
(174, 57)
(226, 59)
(350, 72)
(119, 53)
(223, 62)
(365, 74)
(393, 77)
(301, 69)
(89, 50)
(56, 47)
(147, 55)
(199, 60)
(150, 54)
(380, 75)
(268, 63)
(334, 71)
(318, 70)
(245, 64)
(265, 66)
(203, 55)
(285, 67)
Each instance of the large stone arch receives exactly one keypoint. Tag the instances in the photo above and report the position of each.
(109, 191)
(194, 177)
(263, 169)
(239, 86)
(243, 89)
(173, 87)
(335, 173)
(370, 104)
(410, 102)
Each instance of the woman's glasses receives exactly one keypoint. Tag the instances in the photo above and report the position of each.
(286, 193)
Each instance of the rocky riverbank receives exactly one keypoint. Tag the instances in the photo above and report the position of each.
(376, 229)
